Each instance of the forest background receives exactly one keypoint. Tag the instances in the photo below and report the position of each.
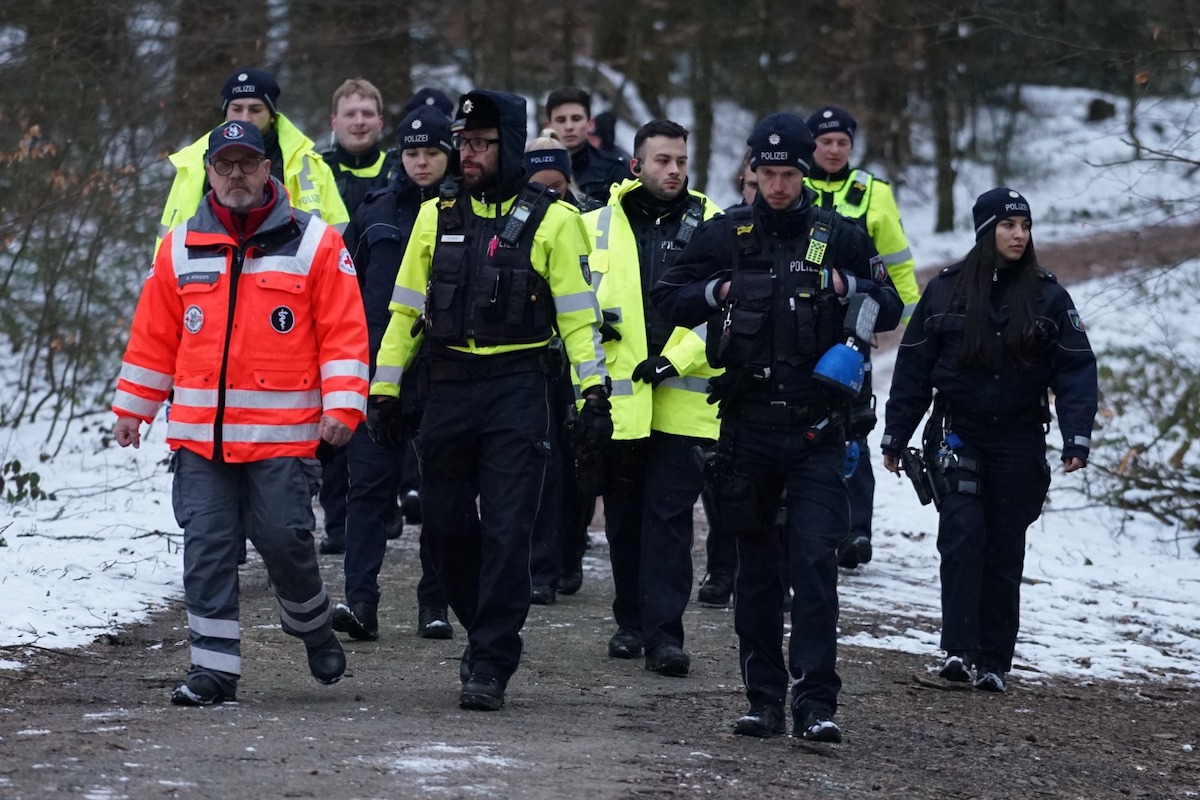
(94, 95)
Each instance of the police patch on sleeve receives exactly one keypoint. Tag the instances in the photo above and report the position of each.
(345, 263)
(193, 319)
(1076, 320)
(587, 271)
(282, 319)
(879, 269)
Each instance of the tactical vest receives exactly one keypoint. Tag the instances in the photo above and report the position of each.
(781, 306)
(482, 283)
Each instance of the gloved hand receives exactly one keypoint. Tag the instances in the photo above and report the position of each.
(607, 332)
(594, 428)
(385, 422)
(654, 370)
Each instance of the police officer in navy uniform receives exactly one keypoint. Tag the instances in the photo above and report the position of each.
(494, 269)
(990, 335)
(775, 282)
(377, 235)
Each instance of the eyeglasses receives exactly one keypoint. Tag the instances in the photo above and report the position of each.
(247, 165)
(477, 145)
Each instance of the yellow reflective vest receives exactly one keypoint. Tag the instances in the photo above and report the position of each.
(308, 179)
(559, 247)
(860, 195)
(679, 404)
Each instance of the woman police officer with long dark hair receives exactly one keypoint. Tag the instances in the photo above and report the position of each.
(988, 338)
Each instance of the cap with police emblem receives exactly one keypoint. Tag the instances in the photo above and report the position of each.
(250, 82)
(831, 119)
(781, 140)
(234, 134)
(995, 205)
(424, 126)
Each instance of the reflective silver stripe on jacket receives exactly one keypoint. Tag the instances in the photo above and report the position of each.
(138, 406)
(403, 296)
(603, 222)
(250, 398)
(344, 368)
(622, 387)
(580, 301)
(151, 379)
(687, 384)
(298, 264)
(354, 401)
(190, 431)
(272, 434)
(892, 259)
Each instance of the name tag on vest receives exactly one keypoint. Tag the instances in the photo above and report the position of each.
(453, 238)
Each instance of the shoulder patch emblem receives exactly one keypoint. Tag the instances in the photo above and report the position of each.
(193, 319)
(1076, 320)
(283, 320)
(879, 270)
(345, 263)
(587, 271)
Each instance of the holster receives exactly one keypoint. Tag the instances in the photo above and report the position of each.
(734, 496)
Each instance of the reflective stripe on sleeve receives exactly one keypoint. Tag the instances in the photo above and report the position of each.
(403, 296)
(580, 301)
(344, 368)
(603, 222)
(1082, 441)
(701, 330)
(355, 401)
(590, 369)
(892, 259)
(385, 374)
(138, 406)
(151, 379)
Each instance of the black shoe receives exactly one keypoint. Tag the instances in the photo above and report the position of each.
(625, 643)
(990, 681)
(482, 693)
(360, 621)
(394, 527)
(716, 590)
(432, 623)
(332, 547)
(818, 726)
(201, 690)
(669, 660)
(854, 551)
(955, 669)
(410, 506)
(464, 666)
(327, 661)
(761, 721)
(542, 596)
(570, 582)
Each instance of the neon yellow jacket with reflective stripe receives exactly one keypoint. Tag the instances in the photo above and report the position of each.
(559, 245)
(308, 179)
(679, 404)
(878, 205)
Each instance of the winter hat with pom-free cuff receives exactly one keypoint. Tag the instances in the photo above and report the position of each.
(995, 205)
(781, 140)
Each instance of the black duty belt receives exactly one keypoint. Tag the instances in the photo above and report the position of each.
(482, 368)
(781, 414)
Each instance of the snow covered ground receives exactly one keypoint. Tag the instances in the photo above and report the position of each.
(1112, 594)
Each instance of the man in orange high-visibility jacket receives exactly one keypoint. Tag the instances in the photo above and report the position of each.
(251, 316)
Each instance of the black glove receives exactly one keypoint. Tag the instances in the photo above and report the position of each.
(594, 428)
(654, 370)
(385, 422)
(607, 332)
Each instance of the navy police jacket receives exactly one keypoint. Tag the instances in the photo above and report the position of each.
(1000, 392)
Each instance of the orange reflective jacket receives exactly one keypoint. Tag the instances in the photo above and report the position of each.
(256, 341)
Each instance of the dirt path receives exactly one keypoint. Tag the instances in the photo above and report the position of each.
(95, 723)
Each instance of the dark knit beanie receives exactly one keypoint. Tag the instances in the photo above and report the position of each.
(250, 82)
(427, 96)
(995, 205)
(831, 119)
(425, 126)
(781, 139)
(551, 158)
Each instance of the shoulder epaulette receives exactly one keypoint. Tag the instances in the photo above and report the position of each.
(1045, 274)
